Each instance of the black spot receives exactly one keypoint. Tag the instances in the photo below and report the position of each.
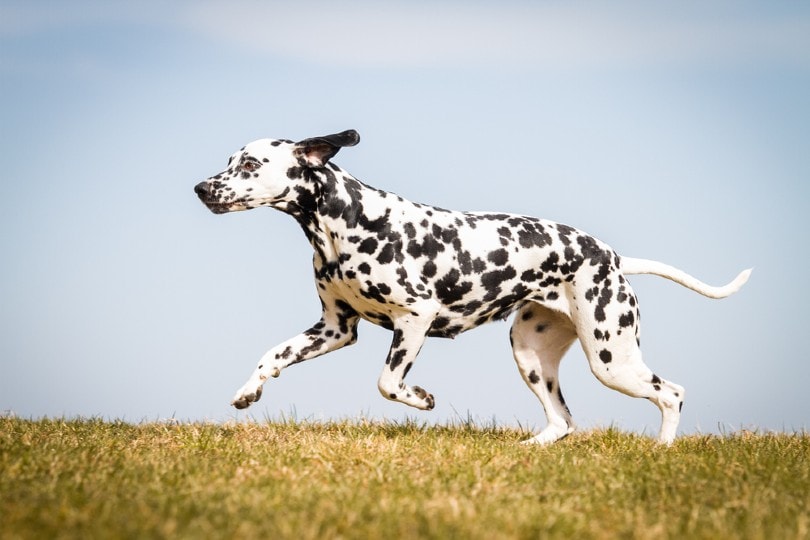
(493, 279)
(602, 274)
(381, 319)
(533, 234)
(369, 245)
(414, 249)
(312, 347)
(540, 328)
(605, 296)
(399, 336)
(316, 329)
(531, 275)
(550, 385)
(396, 359)
(656, 379)
(386, 254)
(347, 319)
(550, 264)
(562, 399)
(572, 264)
(534, 378)
(380, 226)
(468, 308)
(590, 249)
(605, 356)
(569, 254)
(431, 247)
(627, 319)
(448, 235)
(364, 268)
(465, 262)
(448, 288)
(305, 199)
(410, 230)
(439, 323)
(429, 270)
(499, 257)
(375, 293)
(564, 232)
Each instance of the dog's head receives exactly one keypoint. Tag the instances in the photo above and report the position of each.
(270, 172)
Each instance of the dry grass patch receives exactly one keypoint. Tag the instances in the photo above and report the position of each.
(96, 479)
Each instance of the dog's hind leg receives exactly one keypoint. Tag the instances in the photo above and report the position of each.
(613, 353)
(540, 337)
(409, 336)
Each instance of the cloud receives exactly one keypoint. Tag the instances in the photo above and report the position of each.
(39, 18)
(512, 35)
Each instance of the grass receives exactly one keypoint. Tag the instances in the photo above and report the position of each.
(97, 479)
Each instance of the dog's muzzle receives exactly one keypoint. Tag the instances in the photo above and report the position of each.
(208, 198)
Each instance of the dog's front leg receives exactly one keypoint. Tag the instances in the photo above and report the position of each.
(327, 335)
(409, 335)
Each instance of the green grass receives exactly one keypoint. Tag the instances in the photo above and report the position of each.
(97, 479)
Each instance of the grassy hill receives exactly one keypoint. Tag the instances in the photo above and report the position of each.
(97, 479)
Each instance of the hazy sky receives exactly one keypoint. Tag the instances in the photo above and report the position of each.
(677, 131)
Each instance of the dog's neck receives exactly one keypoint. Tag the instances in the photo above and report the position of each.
(323, 200)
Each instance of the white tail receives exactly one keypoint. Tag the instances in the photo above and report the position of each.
(632, 266)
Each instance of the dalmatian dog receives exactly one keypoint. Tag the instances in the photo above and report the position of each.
(424, 271)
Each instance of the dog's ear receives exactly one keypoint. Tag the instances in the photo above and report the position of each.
(316, 151)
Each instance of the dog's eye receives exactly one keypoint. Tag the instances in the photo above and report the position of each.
(249, 166)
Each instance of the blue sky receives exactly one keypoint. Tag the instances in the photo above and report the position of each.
(678, 132)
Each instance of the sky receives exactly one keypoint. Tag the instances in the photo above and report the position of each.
(672, 131)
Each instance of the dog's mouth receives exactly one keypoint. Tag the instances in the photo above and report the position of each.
(216, 206)
(212, 201)
(219, 207)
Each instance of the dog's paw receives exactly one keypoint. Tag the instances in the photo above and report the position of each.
(551, 434)
(428, 398)
(244, 397)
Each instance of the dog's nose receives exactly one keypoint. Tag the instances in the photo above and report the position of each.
(201, 189)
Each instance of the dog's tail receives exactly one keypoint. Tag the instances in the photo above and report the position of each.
(632, 266)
